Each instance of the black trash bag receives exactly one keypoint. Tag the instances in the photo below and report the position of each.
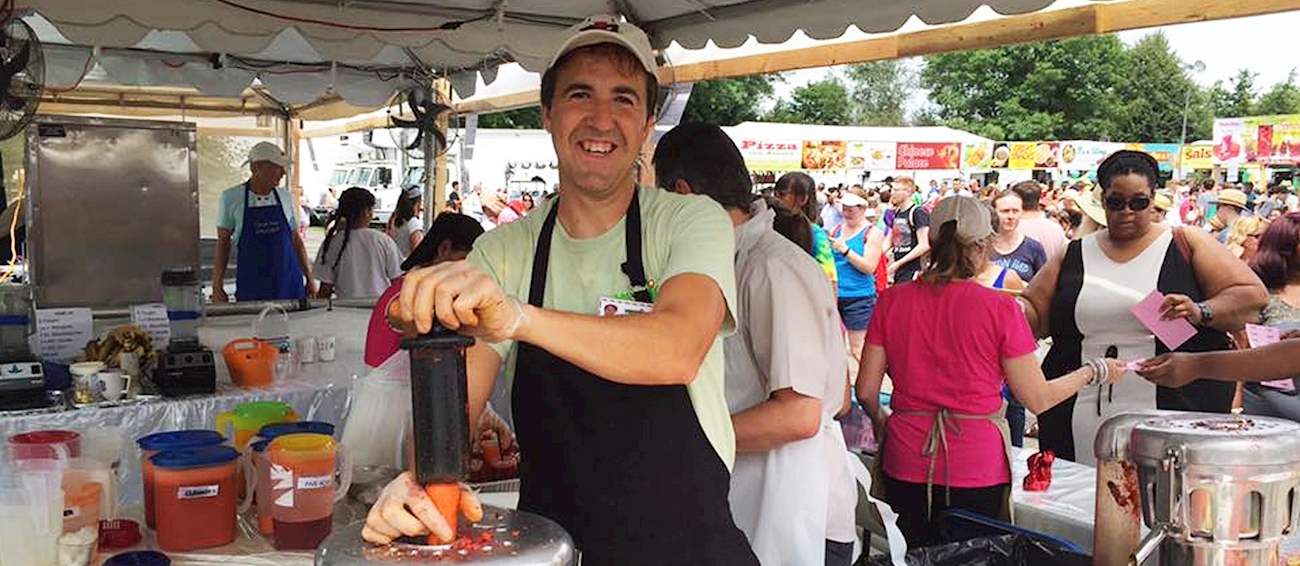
(1005, 550)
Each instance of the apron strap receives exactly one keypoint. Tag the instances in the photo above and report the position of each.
(937, 441)
(634, 267)
(542, 257)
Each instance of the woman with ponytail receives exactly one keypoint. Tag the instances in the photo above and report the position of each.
(356, 260)
(406, 226)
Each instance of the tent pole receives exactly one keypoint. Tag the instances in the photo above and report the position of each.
(436, 193)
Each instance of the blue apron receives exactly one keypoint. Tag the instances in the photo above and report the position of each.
(268, 263)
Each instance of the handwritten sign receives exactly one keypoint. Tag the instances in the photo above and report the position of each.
(152, 318)
(62, 334)
(1172, 332)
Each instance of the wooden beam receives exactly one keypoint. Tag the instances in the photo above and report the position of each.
(497, 103)
(1100, 17)
(351, 126)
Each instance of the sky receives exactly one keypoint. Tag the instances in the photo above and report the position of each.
(1264, 44)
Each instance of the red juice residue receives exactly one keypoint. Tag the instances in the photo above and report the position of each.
(1127, 494)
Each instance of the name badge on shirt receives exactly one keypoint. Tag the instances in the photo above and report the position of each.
(609, 306)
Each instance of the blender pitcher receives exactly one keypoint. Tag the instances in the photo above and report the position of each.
(248, 418)
(303, 493)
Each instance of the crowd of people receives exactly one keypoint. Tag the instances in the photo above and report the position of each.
(678, 355)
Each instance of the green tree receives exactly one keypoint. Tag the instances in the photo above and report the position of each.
(822, 102)
(1061, 89)
(1282, 98)
(880, 91)
(529, 118)
(1220, 100)
(727, 102)
(1241, 95)
(1157, 91)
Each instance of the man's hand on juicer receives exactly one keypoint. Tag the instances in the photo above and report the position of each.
(403, 509)
(462, 298)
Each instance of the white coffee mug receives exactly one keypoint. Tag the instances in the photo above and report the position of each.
(113, 383)
(307, 349)
(326, 348)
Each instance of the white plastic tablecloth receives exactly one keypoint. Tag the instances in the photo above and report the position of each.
(318, 391)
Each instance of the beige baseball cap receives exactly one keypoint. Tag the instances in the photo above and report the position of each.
(267, 151)
(974, 222)
(609, 29)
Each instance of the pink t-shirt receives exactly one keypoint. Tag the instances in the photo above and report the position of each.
(381, 340)
(944, 347)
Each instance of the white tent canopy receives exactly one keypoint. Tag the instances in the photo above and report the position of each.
(364, 51)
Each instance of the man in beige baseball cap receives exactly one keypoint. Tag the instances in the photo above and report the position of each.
(624, 433)
(258, 218)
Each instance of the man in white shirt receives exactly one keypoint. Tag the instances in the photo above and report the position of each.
(787, 374)
(1034, 223)
(258, 218)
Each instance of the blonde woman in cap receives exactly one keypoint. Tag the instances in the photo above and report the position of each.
(1243, 240)
(1083, 299)
(1232, 204)
(948, 372)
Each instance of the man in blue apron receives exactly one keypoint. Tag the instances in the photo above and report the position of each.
(259, 217)
(624, 434)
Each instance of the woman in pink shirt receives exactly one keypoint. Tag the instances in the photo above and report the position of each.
(948, 342)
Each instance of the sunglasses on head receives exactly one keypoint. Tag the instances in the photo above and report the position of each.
(1136, 204)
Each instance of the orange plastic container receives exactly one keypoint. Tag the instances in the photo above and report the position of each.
(305, 464)
(195, 493)
(162, 441)
(251, 362)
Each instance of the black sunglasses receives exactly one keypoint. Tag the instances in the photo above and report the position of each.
(1136, 204)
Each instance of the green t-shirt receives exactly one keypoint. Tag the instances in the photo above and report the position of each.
(681, 234)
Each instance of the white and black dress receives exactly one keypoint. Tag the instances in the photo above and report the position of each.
(1091, 318)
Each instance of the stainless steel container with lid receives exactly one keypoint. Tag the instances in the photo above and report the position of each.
(1216, 489)
(503, 538)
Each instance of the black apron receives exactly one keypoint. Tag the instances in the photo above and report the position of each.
(625, 469)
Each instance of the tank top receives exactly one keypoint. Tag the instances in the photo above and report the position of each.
(854, 284)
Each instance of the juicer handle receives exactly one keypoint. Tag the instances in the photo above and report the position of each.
(344, 463)
(250, 482)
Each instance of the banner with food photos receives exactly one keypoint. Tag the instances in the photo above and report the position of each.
(871, 156)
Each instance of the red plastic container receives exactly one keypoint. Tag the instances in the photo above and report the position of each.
(45, 445)
(195, 497)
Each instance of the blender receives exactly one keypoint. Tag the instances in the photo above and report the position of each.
(186, 367)
(22, 380)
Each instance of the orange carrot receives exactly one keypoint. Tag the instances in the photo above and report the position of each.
(446, 497)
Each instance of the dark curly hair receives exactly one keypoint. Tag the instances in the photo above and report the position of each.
(1128, 162)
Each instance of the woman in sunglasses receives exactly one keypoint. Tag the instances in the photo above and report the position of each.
(1084, 300)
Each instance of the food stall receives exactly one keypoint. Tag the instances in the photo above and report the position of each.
(290, 64)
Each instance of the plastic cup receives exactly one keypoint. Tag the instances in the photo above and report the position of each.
(31, 512)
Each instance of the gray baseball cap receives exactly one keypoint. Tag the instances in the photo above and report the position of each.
(974, 223)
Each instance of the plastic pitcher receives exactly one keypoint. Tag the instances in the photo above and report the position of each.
(31, 512)
(242, 422)
(173, 440)
(195, 495)
(89, 470)
(45, 444)
(257, 455)
(81, 512)
(303, 491)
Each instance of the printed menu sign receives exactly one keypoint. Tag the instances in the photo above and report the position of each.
(152, 318)
(62, 334)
